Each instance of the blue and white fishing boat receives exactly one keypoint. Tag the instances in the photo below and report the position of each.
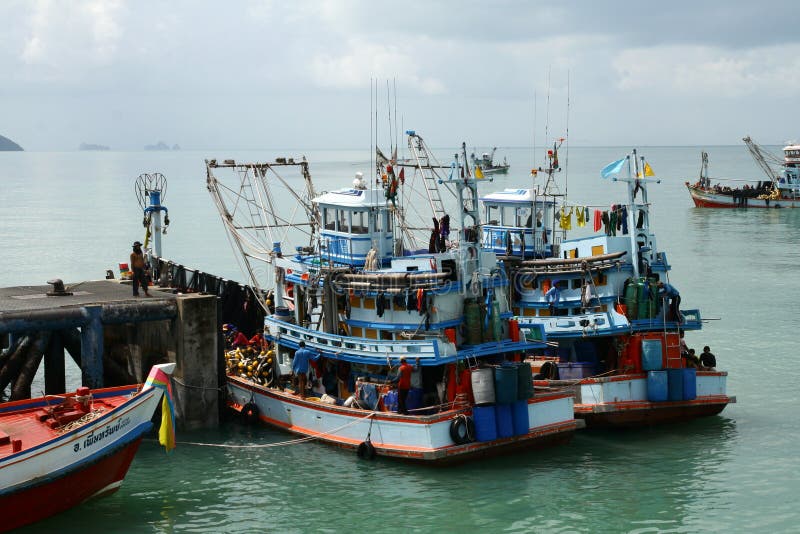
(363, 294)
(485, 162)
(617, 341)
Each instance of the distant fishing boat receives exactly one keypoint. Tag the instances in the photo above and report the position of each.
(366, 292)
(487, 165)
(614, 341)
(58, 451)
(781, 190)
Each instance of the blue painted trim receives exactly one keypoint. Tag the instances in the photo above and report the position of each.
(403, 326)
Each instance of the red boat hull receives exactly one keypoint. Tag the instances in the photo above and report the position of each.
(51, 496)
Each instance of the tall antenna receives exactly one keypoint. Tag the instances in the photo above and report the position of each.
(566, 160)
(533, 154)
(389, 113)
(396, 133)
(371, 146)
(547, 111)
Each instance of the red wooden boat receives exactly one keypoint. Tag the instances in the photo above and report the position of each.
(58, 451)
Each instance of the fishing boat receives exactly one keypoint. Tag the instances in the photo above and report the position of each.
(487, 165)
(58, 451)
(780, 190)
(615, 341)
(367, 292)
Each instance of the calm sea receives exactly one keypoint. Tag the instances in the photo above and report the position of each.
(72, 215)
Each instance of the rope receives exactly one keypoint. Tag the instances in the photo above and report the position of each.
(280, 443)
(197, 387)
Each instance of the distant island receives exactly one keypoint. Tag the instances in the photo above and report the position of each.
(90, 146)
(161, 145)
(8, 144)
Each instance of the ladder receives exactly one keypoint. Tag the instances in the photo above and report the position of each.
(422, 156)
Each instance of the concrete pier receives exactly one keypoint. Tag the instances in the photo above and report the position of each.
(114, 338)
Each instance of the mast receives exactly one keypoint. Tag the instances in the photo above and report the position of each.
(761, 157)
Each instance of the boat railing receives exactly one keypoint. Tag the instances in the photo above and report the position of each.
(357, 348)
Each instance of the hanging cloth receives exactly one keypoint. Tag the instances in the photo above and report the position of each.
(623, 217)
(606, 223)
(612, 222)
(598, 220)
(581, 217)
(565, 219)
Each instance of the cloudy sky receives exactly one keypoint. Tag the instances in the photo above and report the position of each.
(296, 74)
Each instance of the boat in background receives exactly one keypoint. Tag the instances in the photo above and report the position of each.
(58, 451)
(616, 343)
(781, 190)
(364, 295)
(487, 165)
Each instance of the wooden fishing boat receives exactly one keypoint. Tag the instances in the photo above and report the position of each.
(58, 451)
(366, 295)
(781, 190)
(616, 339)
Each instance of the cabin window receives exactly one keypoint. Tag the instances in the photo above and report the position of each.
(492, 214)
(328, 219)
(360, 219)
(524, 218)
(601, 279)
(508, 216)
(378, 218)
(388, 222)
(344, 220)
(386, 335)
(356, 331)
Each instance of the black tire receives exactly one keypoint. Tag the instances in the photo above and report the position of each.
(549, 371)
(366, 450)
(462, 429)
(250, 413)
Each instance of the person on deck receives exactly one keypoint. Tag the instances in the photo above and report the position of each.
(404, 384)
(302, 357)
(138, 266)
(707, 359)
(552, 297)
(668, 291)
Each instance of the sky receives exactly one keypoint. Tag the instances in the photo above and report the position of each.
(298, 74)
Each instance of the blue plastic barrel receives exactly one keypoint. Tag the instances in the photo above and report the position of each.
(505, 384)
(519, 417)
(485, 426)
(689, 383)
(524, 381)
(504, 420)
(657, 389)
(675, 384)
(652, 351)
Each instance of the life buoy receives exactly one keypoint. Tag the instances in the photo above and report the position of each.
(250, 413)
(366, 450)
(462, 429)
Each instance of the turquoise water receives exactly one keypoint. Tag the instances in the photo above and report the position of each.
(73, 215)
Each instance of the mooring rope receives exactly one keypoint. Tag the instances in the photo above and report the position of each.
(278, 444)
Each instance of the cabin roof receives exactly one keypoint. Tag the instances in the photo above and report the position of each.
(514, 196)
(352, 198)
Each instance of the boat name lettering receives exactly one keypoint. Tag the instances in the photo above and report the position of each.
(94, 437)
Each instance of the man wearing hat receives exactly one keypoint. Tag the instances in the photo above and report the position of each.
(137, 265)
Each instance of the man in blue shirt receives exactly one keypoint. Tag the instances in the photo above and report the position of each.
(668, 291)
(552, 296)
(300, 367)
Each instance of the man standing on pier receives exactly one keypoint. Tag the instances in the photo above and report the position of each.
(137, 266)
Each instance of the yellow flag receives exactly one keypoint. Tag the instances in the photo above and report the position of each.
(648, 170)
(478, 173)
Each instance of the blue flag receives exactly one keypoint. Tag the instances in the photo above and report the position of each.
(612, 168)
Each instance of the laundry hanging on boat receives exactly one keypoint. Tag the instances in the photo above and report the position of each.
(612, 222)
(565, 219)
(581, 216)
(598, 220)
(623, 219)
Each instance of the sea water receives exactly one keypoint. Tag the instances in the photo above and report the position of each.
(73, 215)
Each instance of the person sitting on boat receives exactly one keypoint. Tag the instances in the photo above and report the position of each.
(707, 359)
(404, 384)
(668, 291)
(302, 357)
(691, 359)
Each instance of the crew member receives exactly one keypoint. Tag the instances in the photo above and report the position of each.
(668, 291)
(138, 266)
(707, 359)
(300, 367)
(404, 384)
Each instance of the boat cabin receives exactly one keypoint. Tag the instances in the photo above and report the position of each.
(518, 223)
(353, 222)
